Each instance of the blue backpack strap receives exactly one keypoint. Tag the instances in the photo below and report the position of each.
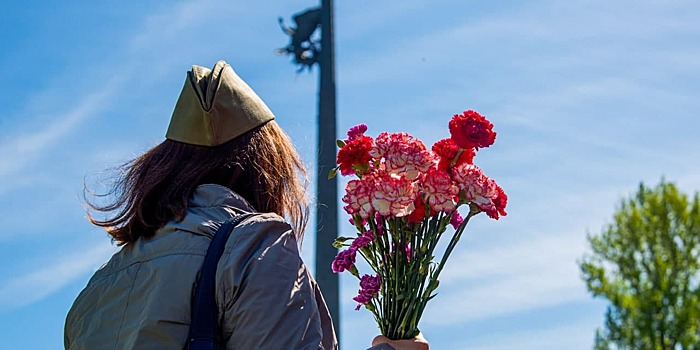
(204, 324)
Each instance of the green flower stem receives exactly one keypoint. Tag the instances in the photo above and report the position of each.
(432, 236)
(371, 262)
(387, 283)
(397, 263)
(410, 280)
(418, 278)
(454, 161)
(379, 309)
(453, 243)
(406, 273)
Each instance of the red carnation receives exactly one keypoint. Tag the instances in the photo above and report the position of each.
(418, 214)
(447, 150)
(472, 130)
(354, 153)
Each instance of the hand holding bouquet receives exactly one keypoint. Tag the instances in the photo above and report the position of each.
(401, 203)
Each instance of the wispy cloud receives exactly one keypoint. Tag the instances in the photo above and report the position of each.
(578, 108)
(109, 80)
(501, 47)
(44, 135)
(169, 23)
(509, 279)
(20, 150)
(567, 336)
(33, 287)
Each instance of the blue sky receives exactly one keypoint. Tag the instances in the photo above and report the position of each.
(589, 98)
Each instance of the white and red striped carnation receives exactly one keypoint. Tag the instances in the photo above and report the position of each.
(358, 198)
(440, 191)
(392, 195)
(403, 154)
(480, 190)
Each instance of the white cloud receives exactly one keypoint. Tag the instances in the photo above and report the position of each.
(539, 68)
(169, 23)
(569, 336)
(546, 37)
(20, 150)
(45, 132)
(510, 279)
(107, 81)
(35, 286)
(364, 18)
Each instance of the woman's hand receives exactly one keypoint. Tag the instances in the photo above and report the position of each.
(417, 343)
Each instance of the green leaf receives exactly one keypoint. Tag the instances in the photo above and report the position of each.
(340, 143)
(332, 173)
(338, 243)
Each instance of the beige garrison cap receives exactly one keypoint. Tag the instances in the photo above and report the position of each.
(215, 106)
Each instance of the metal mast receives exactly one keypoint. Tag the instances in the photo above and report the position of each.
(307, 52)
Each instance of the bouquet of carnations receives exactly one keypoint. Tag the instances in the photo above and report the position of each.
(402, 202)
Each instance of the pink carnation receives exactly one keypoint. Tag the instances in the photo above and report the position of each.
(392, 196)
(456, 219)
(379, 222)
(440, 190)
(363, 240)
(356, 131)
(369, 287)
(357, 197)
(362, 221)
(345, 260)
(480, 190)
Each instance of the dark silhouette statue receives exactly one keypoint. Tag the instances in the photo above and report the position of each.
(301, 45)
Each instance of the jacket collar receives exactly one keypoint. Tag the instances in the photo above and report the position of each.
(212, 195)
(207, 209)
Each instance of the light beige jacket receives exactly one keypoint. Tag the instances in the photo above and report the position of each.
(141, 298)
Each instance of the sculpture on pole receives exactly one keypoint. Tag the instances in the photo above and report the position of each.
(302, 46)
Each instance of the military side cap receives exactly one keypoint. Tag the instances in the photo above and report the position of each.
(215, 106)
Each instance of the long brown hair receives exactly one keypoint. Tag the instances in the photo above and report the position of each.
(262, 166)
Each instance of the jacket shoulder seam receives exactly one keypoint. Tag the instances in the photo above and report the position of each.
(145, 259)
(126, 307)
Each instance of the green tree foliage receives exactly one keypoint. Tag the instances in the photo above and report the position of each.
(646, 263)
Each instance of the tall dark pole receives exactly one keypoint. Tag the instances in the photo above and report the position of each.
(327, 196)
(306, 53)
